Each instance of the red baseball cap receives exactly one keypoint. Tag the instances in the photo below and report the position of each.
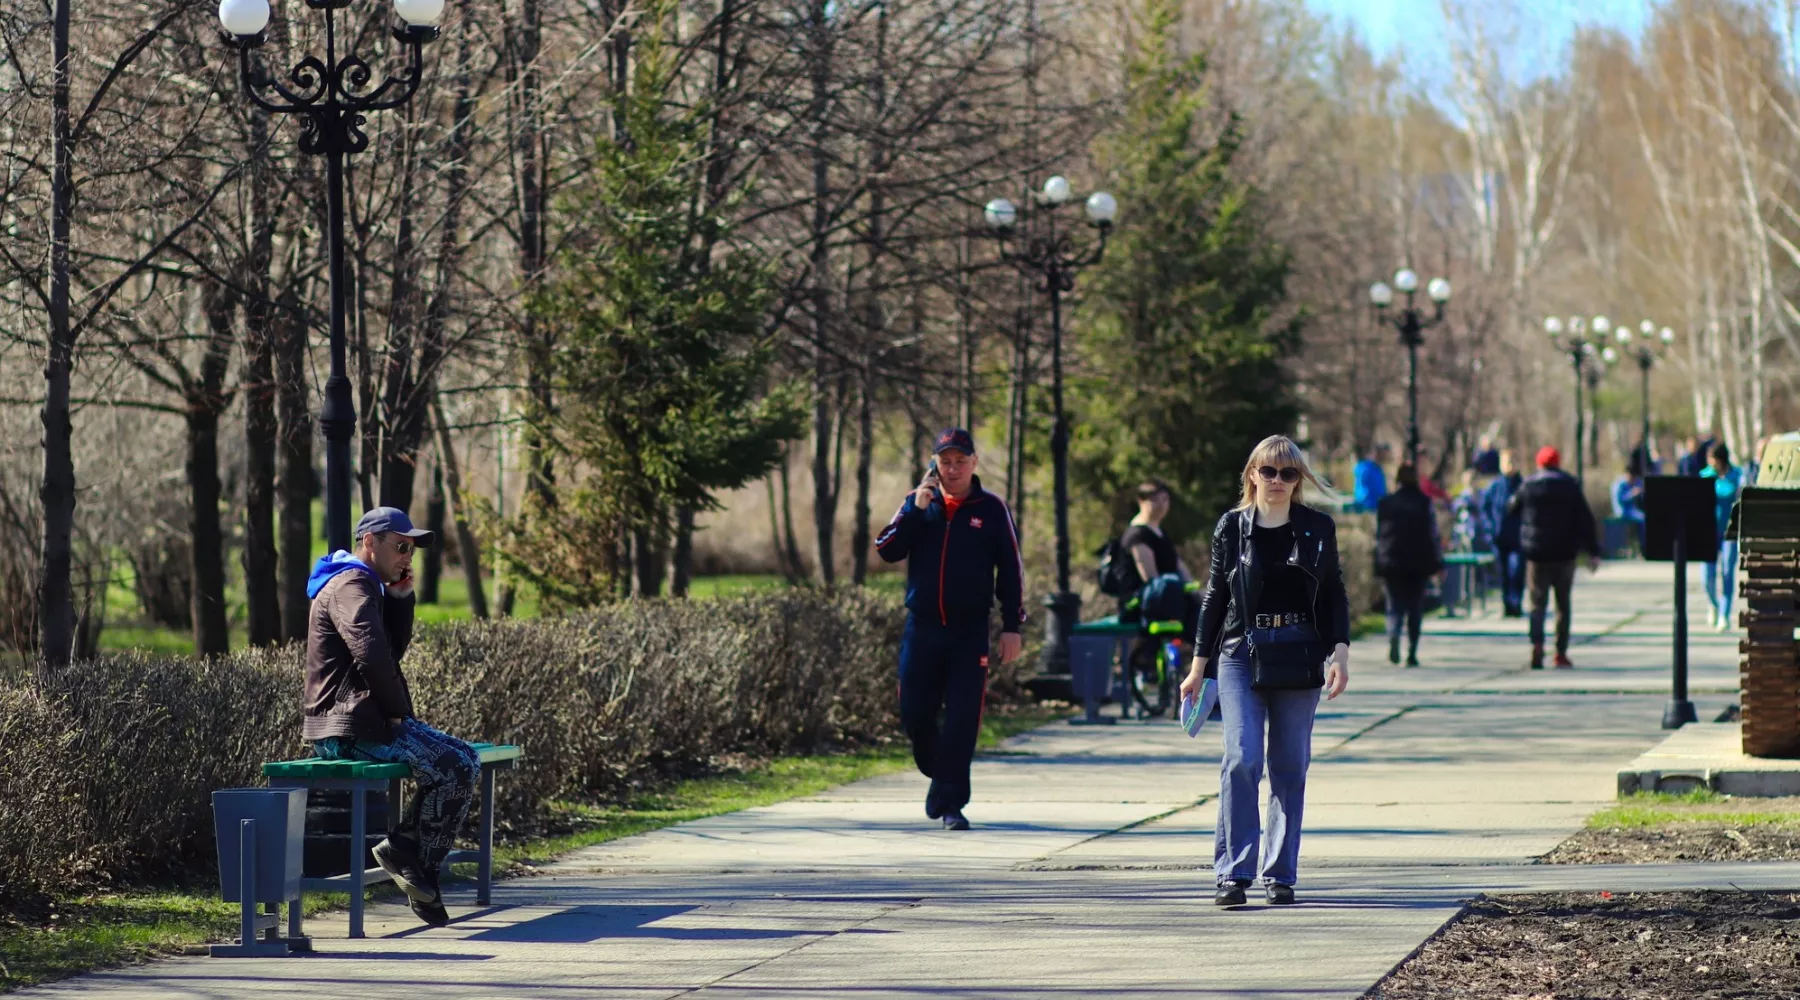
(1548, 457)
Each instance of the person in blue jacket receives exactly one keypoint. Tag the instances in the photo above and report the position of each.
(1369, 480)
(962, 553)
(1721, 573)
(1505, 527)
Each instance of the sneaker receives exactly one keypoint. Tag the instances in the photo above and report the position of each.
(1280, 895)
(1231, 894)
(1537, 657)
(1724, 625)
(932, 810)
(1412, 660)
(1562, 662)
(1712, 618)
(400, 859)
(955, 820)
(1394, 651)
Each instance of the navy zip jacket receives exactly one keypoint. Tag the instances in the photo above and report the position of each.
(956, 568)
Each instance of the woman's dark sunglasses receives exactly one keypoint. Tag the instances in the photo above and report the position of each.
(1269, 474)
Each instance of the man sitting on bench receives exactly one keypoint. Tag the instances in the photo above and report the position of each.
(358, 706)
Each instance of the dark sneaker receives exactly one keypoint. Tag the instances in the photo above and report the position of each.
(1230, 894)
(1394, 651)
(398, 858)
(432, 913)
(1280, 895)
(1562, 662)
(932, 811)
(954, 820)
(1537, 657)
(1412, 661)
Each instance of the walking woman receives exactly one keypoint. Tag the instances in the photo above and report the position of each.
(1276, 616)
(1721, 573)
(1407, 556)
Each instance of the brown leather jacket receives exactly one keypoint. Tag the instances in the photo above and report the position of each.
(355, 637)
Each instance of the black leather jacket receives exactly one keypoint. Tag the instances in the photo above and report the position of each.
(1235, 581)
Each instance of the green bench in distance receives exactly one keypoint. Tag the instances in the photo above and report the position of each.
(359, 777)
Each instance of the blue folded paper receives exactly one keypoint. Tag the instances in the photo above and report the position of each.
(1197, 708)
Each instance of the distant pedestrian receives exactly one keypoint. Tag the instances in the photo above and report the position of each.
(1427, 485)
(1694, 456)
(1628, 498)
(1370, 480)
(1407, 556)
(962, 553)
(1486, 460)
(1555, 527)
(1275, 599)
(1505, 525)
(1721, 573)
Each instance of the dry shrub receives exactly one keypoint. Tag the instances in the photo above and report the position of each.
(109, 765)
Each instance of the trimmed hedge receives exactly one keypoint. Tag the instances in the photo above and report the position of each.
(108, 766)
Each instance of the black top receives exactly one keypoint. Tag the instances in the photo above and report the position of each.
(1162, 550)
(1555, 522)
(1284, 587)
(1406, 539)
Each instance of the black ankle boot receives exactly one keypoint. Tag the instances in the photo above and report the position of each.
(1394, 650)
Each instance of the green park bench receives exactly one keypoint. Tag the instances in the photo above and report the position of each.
(359, 777)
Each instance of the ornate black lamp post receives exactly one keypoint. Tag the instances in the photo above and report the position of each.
(1573, 338)
(1646, 347)
(1412, 325)
(1052, 257)
(331, 95)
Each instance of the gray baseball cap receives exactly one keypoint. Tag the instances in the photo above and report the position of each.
(392, 521)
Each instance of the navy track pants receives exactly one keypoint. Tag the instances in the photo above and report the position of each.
(943, 669)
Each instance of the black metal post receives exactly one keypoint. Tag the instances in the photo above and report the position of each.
(1065, 607)
(1644, 361)
(338, 419)
(1680, 711)
(1580, 419)
(1412, 395)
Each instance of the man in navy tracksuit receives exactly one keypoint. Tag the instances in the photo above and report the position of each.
(962, 551)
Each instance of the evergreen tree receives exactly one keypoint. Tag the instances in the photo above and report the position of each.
(1184, 330)
(662, 358)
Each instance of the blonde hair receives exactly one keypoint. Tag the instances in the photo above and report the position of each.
(1279, 450)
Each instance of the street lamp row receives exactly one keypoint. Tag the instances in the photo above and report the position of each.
(1052, 257)
(1586, 342)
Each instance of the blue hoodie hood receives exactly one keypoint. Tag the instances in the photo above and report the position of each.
(333, 564)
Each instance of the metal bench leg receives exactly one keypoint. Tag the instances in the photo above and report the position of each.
(358, 820)
(484, 867)
(394, 804)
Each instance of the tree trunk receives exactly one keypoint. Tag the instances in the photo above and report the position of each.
(206, 400)
(402, 425)
(56, 599)
(861, 541)
(824, 491)
(465, 539)
(296, 480)
(684, 553)
(652, 552)
(540, 475)
(434, 523)
(782, 565)
(787, 522)
(261, 595)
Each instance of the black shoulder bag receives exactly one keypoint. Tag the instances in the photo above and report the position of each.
(1286, 666)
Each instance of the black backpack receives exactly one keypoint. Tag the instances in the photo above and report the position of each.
(1113, 569)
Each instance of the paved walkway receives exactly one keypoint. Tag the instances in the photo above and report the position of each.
(1085, 875)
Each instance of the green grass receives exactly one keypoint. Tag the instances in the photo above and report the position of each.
(1699, 806)
(112, 929)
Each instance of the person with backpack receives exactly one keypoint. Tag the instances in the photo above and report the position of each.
(962, 554)
(1407, 556)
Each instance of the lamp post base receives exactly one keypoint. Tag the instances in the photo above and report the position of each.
(1679, 713)
(1065, 612)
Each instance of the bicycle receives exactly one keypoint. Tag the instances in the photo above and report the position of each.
(1156, 669)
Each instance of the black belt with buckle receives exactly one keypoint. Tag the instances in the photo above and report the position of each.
(1283, 620)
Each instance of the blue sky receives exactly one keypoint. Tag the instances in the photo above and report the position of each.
(1417, 26)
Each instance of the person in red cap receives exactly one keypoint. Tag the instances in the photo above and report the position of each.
(1556, 526)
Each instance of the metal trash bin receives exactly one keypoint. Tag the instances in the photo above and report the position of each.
(261, 835)
(1091, 673)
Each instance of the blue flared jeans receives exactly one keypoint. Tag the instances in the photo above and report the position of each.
(1263, 730)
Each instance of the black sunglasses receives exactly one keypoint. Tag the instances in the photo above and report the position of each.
(1269, 474)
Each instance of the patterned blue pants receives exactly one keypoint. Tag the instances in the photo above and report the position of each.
(444, 768)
